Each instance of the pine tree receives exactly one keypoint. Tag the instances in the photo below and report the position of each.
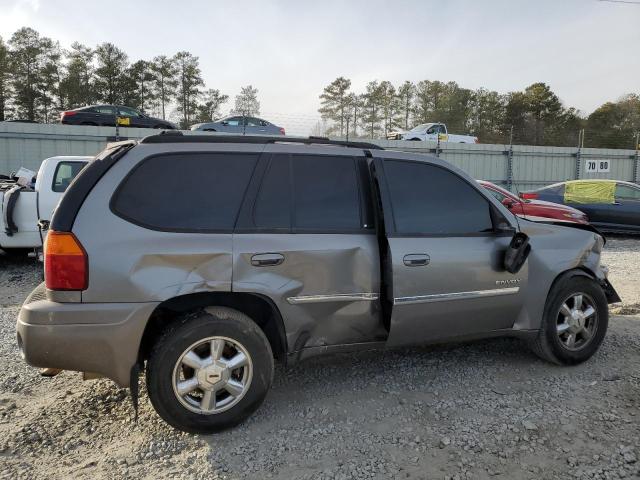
(406, 94)
(110, 74)
(5, 84)
(372, 116)
(209, 107)
(335, 98)
(76, 86)
(27, 56)
(247, 103)
(189, 83)
(165, 81)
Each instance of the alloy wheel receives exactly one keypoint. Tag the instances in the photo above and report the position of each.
(212, 375)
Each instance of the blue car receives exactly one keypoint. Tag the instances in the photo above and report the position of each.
(611, 205)
(240, 125)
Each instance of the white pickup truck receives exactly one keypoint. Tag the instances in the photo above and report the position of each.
(22, 207)
(431, 132)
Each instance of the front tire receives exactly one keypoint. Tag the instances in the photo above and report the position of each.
(575, 321)
(210, 370)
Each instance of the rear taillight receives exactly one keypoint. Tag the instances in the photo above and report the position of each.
(528, 195)
(67, 114)
(66, 266)
(282, 131)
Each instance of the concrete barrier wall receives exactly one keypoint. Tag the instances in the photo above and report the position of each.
(519, 167)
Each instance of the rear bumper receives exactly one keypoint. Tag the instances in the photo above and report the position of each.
(101, 338)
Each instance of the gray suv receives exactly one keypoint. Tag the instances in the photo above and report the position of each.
(200, 259)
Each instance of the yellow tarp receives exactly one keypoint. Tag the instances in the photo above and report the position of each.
(589, 192)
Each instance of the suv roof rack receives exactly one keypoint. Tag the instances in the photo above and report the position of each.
(178, 137)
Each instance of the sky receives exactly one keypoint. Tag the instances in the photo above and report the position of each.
(586, 50)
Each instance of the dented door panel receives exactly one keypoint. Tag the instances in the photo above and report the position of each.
(326, 287)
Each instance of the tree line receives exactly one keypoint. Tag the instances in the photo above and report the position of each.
(39, 79)
(534, 116)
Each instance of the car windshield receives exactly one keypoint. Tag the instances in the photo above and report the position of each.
(421, 127)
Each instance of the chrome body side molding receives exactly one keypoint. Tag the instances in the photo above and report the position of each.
(440, 297)
(339, 297)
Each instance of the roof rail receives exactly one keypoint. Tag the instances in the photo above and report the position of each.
(172, 136)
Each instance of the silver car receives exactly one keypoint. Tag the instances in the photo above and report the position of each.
(200, 259)
(240, 125)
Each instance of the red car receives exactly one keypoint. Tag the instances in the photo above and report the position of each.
(535, 210)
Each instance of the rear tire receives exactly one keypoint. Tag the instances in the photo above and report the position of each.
(574, 323)
(195, 393)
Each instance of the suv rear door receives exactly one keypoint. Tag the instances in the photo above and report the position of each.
(445, 254)
(305, 240)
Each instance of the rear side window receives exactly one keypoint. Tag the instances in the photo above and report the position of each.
(105, 110)
(199, 192)
(626, 192)
(325, 191)
(64, 174)
(430, 200)
(309, 193)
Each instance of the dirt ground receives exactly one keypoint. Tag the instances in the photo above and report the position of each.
(487, 409)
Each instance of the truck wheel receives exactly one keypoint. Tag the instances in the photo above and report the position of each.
(575, 322)
(210, 370)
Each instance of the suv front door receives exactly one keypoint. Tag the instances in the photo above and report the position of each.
(445, 254)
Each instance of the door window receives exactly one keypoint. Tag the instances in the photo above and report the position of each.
(626, 192)
(196, 192)
(326, 193)
(64, 174)
(128, 112)
(430, 200)
(233, 121)
(253, 122)
(309, 193)
(104, 110)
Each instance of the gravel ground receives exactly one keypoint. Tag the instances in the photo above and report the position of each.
(488, 409)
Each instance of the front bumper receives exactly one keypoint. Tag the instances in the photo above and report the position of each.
(102, 338)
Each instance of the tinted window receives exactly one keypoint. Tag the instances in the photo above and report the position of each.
(104, 109)
(128, 112)
(431, 200)
(627, 192)
(325, 193)
(65, 172)
(186, 192)
(272, 208)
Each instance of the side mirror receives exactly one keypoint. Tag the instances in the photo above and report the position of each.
(508, 202)
(517, 253)
(225, 123)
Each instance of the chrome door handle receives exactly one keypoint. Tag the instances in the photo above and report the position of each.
(267, 259)
(416, 259)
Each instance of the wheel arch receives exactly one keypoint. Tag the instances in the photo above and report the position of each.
(259, 308)
(582, 271)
